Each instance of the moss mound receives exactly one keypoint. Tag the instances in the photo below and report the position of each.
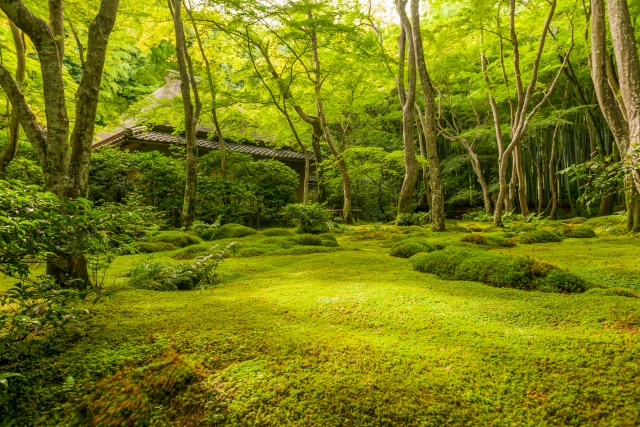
(409, 248)
(149, 247)
(539, 236)
(193, 251)
(328, 239)
(476, 239)
(501, 271)
(178, 239)
(272, 232)
(501, 242)
(228, 231)
(606, 221)
(318, 228)
(579, 232)
(308, 240)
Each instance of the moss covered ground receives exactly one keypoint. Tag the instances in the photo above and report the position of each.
(354, 337)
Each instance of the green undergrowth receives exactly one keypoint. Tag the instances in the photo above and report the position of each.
(176, 238)
(350, 338)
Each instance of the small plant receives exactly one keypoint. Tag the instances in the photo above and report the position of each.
(157, 276)
(342, 228)
(479, 215)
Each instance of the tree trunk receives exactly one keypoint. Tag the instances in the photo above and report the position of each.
(552, 174)
(56, 21)
(425, 181)
(191, 113)
(407, 100)
(342, 165)
(11, 149)
(429, 124)
(522, 184)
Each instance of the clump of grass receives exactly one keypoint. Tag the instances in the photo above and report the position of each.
(501, 271)
(150, 247)
(228, 231)
(539, 236)
(272, 232)
(579, 232)
(178, 239)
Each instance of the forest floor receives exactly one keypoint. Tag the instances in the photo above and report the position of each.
(348, 338)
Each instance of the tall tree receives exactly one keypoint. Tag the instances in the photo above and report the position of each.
(191, 114)
(521, 111)
(622, 114)
(65, 173)
(11, 149)
(407, 96)
(428, 122)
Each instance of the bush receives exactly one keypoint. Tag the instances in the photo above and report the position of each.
(579, 232)
(561, 281)
(410, 248)
(230, 231)
(539, 236)
(159, 276)
(176, 238)
(151, 247)
(272, 232)
(312, 217)
(408, 219)
(308, 240)
(479, 215)
(475, 239)
(458, 263)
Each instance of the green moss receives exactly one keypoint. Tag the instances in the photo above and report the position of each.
(606, 221)
(308, 240)
(317, 228)
(476, 239)
(191, 252)
(328, 239)
(501, 242)
(228, 231)
(409, 248)
(271, 232)
(539, 236)
(501, 271)
(176, 238)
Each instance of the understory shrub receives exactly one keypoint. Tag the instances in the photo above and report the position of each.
(408, 219)
(456, 263)
(154, 275)
(579, 232)
(151, 247)
(539, 236)
(178, 239)
(228, 231)
(311, 217)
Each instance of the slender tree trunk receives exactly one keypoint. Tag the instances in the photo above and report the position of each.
(191, 113)
(56, 21)
(522, 184)
(425, 181)
(429, 124)
(11, 149)
(342, 165)
(212, 89)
